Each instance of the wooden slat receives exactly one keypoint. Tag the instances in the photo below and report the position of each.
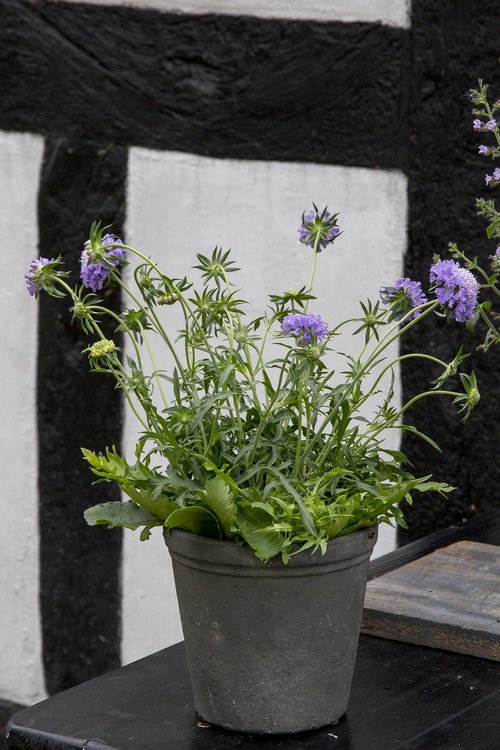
(449, 599)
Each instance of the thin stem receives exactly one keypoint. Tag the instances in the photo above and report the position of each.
(390, 423)
(152, 317)
(313, 268)
(384, 342)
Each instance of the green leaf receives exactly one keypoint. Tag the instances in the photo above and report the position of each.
(440, 487)
(208, 404)
(251, 522)
(196, 519)
(146, 532)
(219, 498)
(304, 512)
(126, 515)
(490, 231)
(160, 506)
(421, 435)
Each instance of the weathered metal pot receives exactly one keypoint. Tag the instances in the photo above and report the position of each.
(270, 647)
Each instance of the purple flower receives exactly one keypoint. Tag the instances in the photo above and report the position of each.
(456, 287)
(94, 272)
(406, 294)
(33, 277)
(491, 124)
(495, 177)
(305, 326)
(483, 150)
(314, 224)
(497, 252)
(477, 124)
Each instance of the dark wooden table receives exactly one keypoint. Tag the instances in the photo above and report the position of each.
(404, 697)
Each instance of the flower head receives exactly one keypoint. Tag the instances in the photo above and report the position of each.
(305, 326)
(34, 275)
(405, 294)
(98, 258)
(43, 274)
(318, 229)
(456, 288)
(477, 124)
(491, 125)
(484, 150)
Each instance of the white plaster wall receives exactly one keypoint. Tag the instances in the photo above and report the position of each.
(21, 676)
(390, 12)
(179, 204)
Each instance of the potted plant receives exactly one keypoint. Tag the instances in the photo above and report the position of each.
(256, 458)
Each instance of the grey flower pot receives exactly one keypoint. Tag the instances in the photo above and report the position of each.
(270, 647)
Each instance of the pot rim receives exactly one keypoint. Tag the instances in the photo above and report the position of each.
(191, 546)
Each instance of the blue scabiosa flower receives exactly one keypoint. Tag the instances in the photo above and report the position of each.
(318, 227)
(305, 326)
(404, 295)
(98, 258)
(43, 273)
(456, 288)
(34, 276)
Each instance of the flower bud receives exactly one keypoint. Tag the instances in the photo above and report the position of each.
(314, 352)
(102, 348)
(168, 299)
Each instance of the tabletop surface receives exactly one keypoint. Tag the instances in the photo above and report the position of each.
(404, 697)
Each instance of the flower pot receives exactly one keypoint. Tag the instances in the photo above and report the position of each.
(270, 647)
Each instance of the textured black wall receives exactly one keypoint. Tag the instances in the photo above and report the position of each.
(454, 43)
(223, 86)
(80, 567)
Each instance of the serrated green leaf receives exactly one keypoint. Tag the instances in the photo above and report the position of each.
(196, 519)
(219, 498)
(160, 506)
(126, 515)
(251, 522)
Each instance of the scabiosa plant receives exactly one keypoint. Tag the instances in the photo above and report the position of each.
(268, 449)
(405, 295)
(255, 434)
